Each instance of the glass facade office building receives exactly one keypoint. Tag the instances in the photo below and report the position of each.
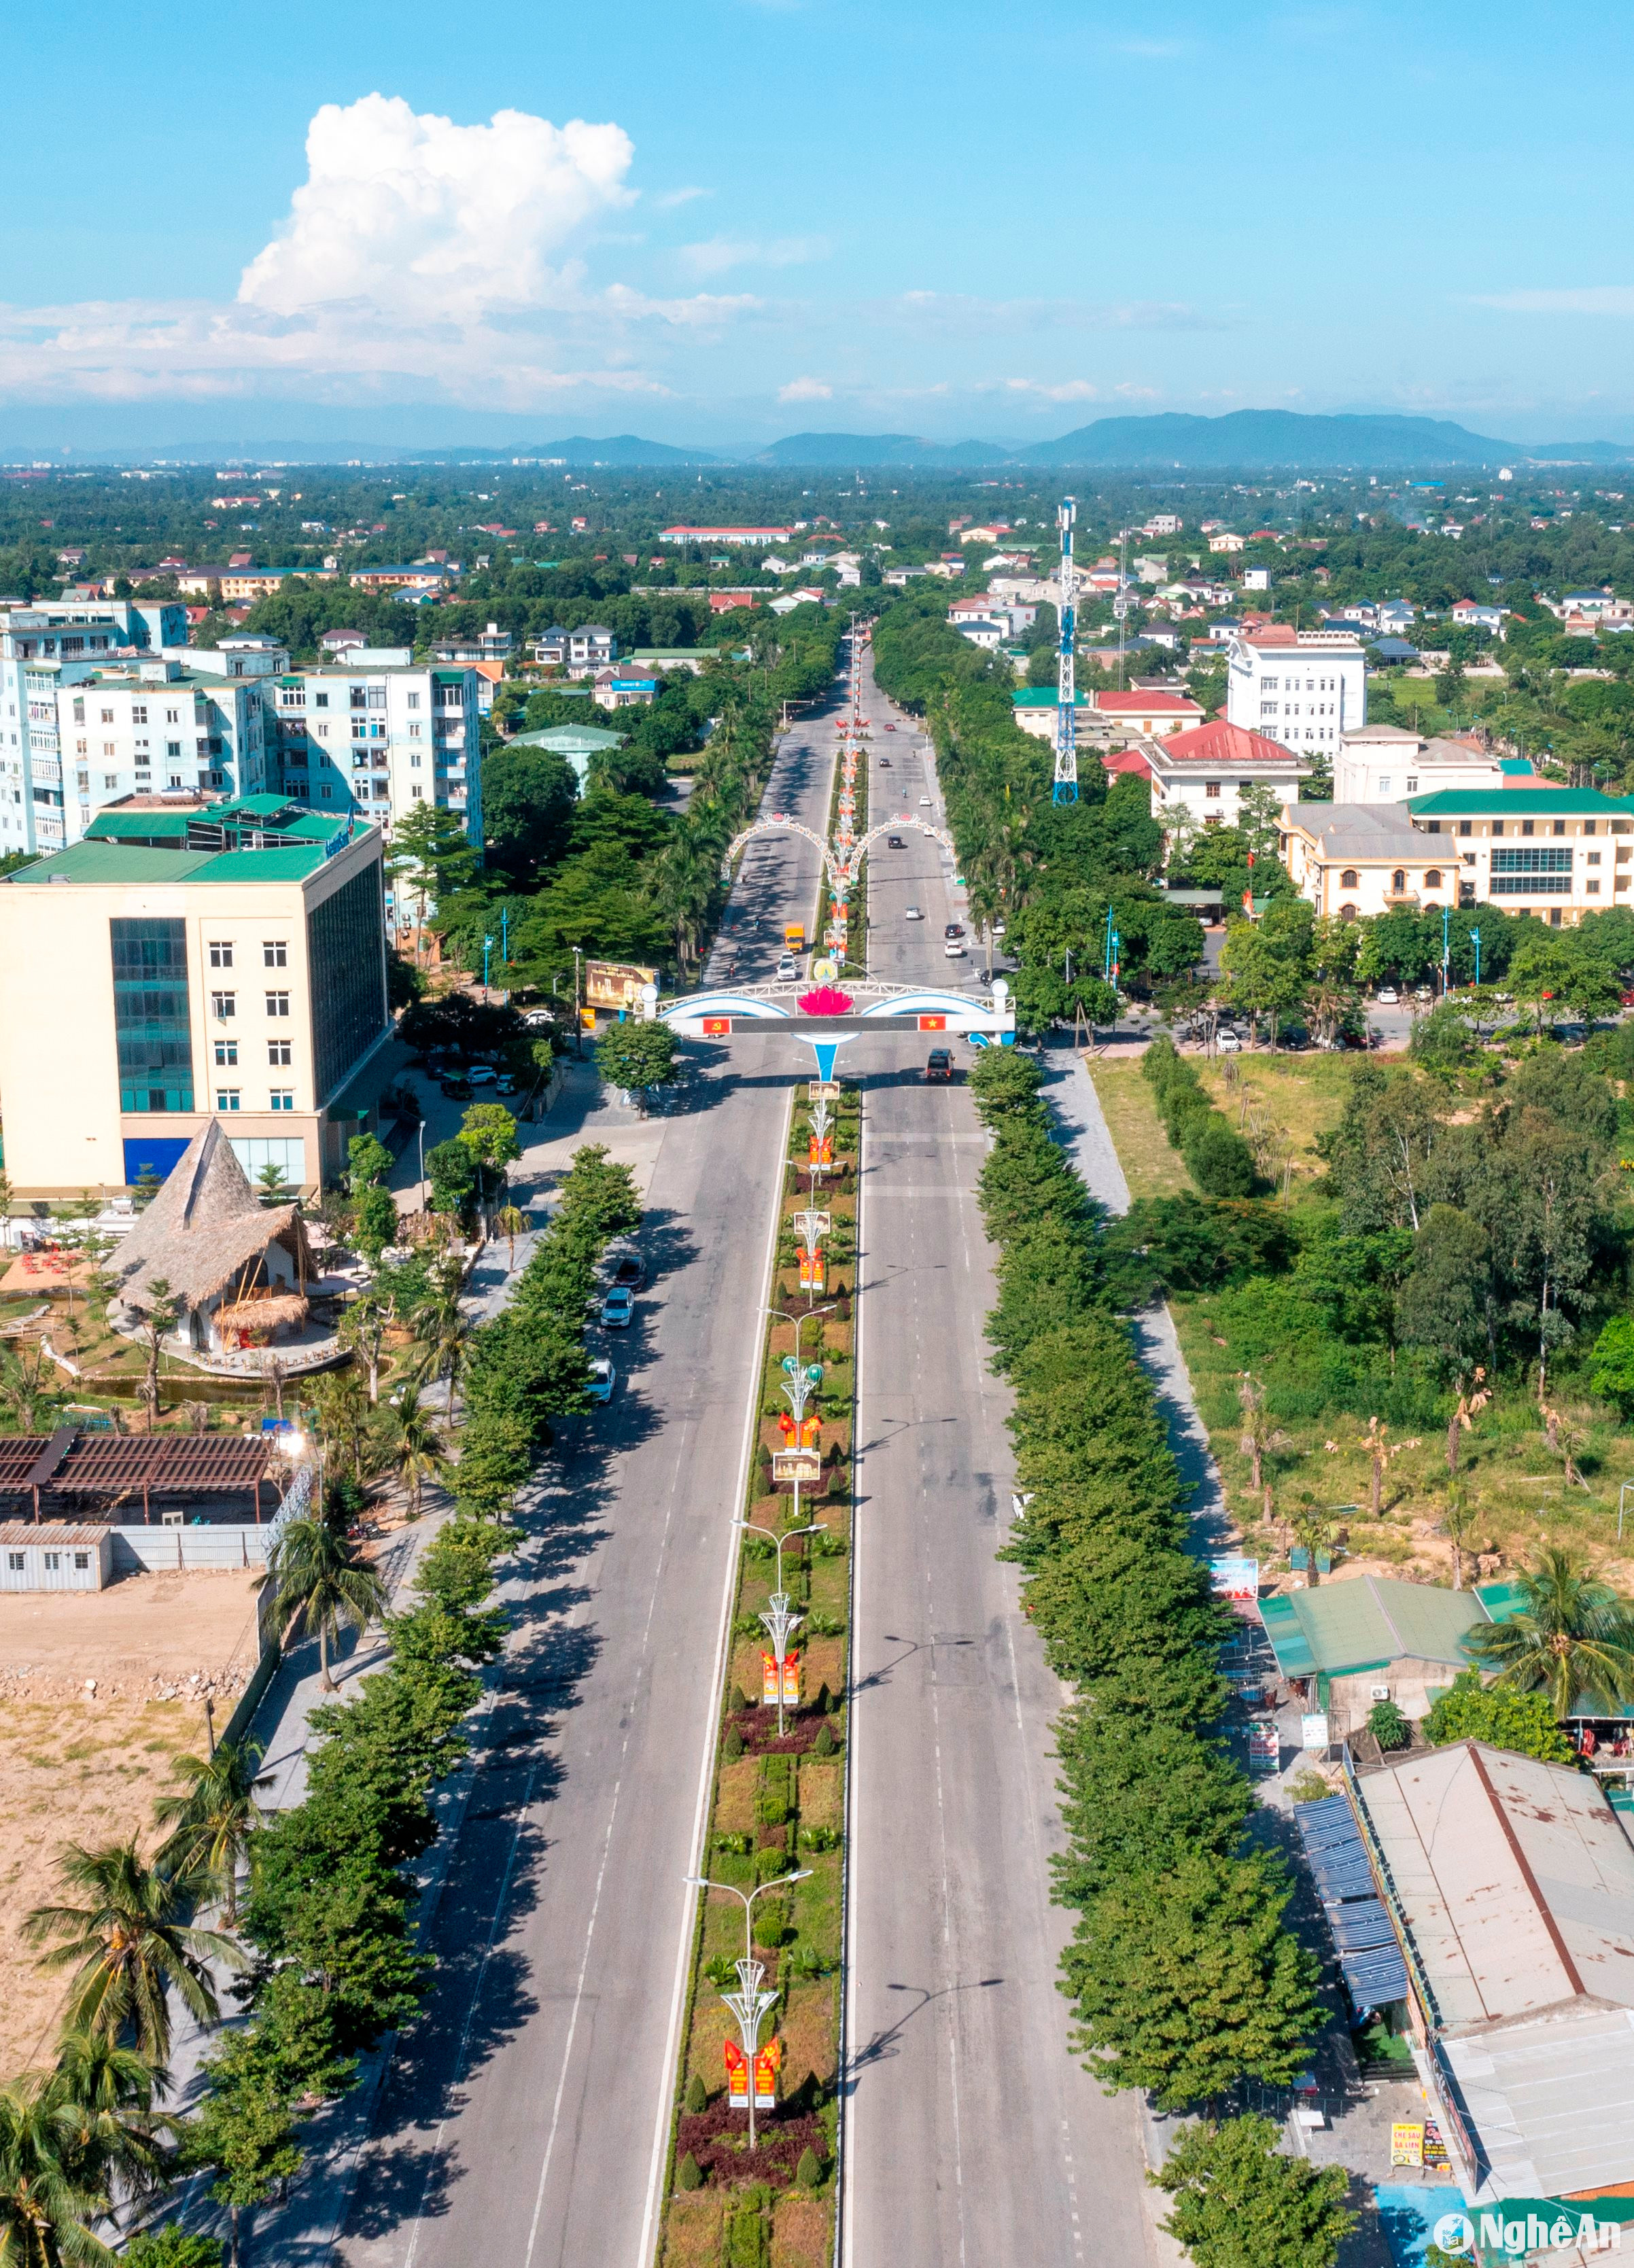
(151, 1015)
(346, 954)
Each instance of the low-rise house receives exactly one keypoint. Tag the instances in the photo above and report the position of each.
(1381, 763)
(1199, 776)
(1146, 711)
(1469, 615)
(1227, 542)
(1509, 1885)
(1365, 1639)
(489, 645)
(1035, 707)
(1356, 860)
(622, 689)
(989, 636)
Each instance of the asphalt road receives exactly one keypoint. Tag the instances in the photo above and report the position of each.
(523, 2120)
(974, 2137)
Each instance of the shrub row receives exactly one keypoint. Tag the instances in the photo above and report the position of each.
(1216, 1157)
(1181, 1976)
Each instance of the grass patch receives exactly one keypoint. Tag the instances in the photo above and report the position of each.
(1280, 1104)
(1149, 1167)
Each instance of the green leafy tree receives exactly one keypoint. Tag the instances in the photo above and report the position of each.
(244, 2134)
(1570, 1634)
(451, 1171)
(1613, 1375)
(367, 1161)
(1240, 2203)
(1447, 1303)
(127, 1947)
(319, 1587)
(1189, 1984)
(488, 1130)
(1267, 963)
(637, 1056)
(159, 1318)
(1470, 1709)
(429, 857)
(528, 800)
(172, 2247)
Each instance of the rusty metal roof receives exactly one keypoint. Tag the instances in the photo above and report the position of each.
(108, 1464)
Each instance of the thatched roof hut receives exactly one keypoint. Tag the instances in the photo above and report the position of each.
(208, 1236)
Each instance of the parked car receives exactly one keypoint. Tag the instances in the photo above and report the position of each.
(953, 950)
(1387, 996)
(1628, 999)
(788, 969)
(537, 1020)
(484, 1075)
(912, 913)
(938, 1063)
(924, 799)
(1227, 1042)
(895, 842)
(603, 1378)
(999, 929)
(457, 1089)
(618, 1309)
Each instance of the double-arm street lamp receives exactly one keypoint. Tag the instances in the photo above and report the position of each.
(749, 2003)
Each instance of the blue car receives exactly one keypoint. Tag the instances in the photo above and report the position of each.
(603, 1379)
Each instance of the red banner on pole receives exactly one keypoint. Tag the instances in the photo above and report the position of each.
(768, 1681)
(737, 2077)
(790, 1681)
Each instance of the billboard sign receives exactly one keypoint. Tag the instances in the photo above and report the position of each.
(1233, 1578)
(790, 1465)
(616, 983)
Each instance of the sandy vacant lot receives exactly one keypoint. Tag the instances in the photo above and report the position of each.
(83, 1765)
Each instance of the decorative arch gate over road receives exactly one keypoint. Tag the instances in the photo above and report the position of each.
(859, 850)
(779, 823)
(988, 1017)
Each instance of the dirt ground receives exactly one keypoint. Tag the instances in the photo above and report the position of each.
(82, 1761)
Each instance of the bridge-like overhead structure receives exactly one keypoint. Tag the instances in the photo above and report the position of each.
(988, 1016)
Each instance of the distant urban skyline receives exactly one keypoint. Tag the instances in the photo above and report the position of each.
(791, 214)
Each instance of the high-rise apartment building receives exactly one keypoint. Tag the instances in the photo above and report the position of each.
(375, 734)
(1305, 688)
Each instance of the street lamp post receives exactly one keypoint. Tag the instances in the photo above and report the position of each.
(487, 946)
(749, 2003)
(1447, 948)
(578, 1028)
(799, 1392)
(1475, 940)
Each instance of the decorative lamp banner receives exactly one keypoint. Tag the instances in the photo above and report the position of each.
(768, 2064)
(790, 1681)
(737, 2077)
(616, 983)
(811, 1278)
(768, 1680)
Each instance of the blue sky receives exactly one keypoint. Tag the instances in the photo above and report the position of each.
(774, 215)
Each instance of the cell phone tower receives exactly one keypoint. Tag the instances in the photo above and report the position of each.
(1066, 720)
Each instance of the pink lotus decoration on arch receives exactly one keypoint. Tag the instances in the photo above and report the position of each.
(825, 1000)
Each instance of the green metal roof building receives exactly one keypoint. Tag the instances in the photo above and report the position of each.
(1358, 1635)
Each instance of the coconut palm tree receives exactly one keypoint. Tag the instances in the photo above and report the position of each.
(112, 2090)
(509, 1222)
(1571, 1634)
(48, 2198)
(211, 1822)
(416, 1447)
(319, 1586)
(127, 1947)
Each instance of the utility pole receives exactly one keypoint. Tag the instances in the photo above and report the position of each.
(578, 1028)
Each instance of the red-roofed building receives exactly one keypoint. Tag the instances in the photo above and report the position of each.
(1145, 712)
(1117, 760)
(1199, 776)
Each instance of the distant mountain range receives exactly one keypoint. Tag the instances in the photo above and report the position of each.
(1242, 440)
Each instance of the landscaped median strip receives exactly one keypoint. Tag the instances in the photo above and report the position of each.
(774, 1850)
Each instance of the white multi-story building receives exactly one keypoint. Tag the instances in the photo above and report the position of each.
(148, 624)
(1384, 763)
(376, 733)
(151, 726)
(1305, 688)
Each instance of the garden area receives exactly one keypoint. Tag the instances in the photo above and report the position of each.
(778, 1801)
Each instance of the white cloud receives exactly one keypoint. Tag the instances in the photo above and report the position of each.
(1071, 389)
(717, 254)
(806, 389)
(1592, 299)
(420, 259)
(668, 199)
(418, 217)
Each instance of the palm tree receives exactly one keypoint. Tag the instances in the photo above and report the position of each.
(443, 1330)
(319, 1586)
(509, 1222)
(1571, 1635)
(127, 1947)
(416, 1447)
(211, 1823)
(48, 2198)
(111, 2090)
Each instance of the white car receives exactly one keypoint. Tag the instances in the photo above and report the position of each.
(1387, 996)
(1228, 1044)
(912, 913)
(618, 1308)
(953, 950)
(788, 969)
(483, 1075)
(602, 1379)
(997, 929)
(924, 799)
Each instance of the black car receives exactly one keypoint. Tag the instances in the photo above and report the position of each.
(954, 929)
(895, 842)
(885, 763)
(938, 1063)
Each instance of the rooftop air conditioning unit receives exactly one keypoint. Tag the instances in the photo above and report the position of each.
(1378, 1692)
